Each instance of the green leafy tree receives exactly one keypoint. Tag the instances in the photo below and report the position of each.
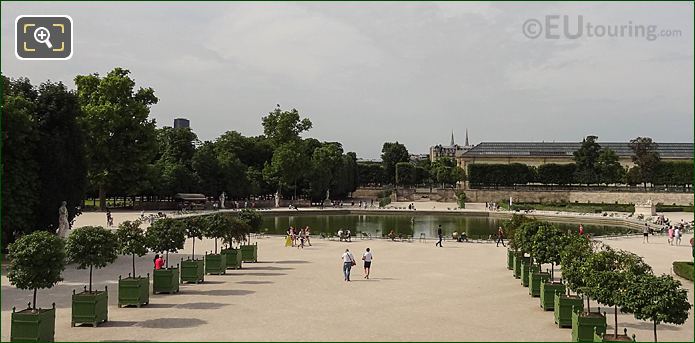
(660, 299)
(577, 249)
(512, 226)
(524, 235)
(391, 154)
(216, 226)
(252, 218)
(282, 127)
(131, 240)
(646, 156)
(608, 167)
(585, 160)
(120, 137)
(195, 229)
(326, 161)
(548, 242)
(407, 173)
(91, 247)
(165, 236)
(176, 148)
(36, 262)
(235, 231)
(287, 166)
(370, 173)
(560, 174)
(609, 273)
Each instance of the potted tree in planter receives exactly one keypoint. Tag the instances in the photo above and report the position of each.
(587, 325)
(36, 262)
(249, 252)
(510, 228)
(524, 240)
(133, 290)
(164, 236)
(91, 247)
(612, 273)
(574, 253)
(522, 244)
(547, 244)
(236, 232)
(192, 269)
(216, 226)
(660, 299)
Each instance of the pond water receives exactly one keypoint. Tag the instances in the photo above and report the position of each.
(381, 225)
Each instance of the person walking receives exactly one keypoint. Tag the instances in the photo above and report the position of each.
(158, 262)
(500, 236)
(301, 238)
(367, 258)
(645, 233)
(307, 233)
(348, 262)
(677, 235)
(440, 235)
(670, 235)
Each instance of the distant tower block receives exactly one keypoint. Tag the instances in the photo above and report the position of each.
(181, 123)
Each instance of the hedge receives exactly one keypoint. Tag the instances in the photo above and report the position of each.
(684, 269)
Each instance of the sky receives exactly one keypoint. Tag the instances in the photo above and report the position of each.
(367, 73)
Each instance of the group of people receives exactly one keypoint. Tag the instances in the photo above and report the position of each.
(349, 262)
(297, 237)
(345, 235)
(492, 206)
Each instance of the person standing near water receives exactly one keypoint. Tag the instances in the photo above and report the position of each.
(367, 258)
(645, 233)
(439, 233)
(500, 237)
(348, 262)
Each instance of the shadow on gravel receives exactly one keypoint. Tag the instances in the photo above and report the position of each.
(201, 306)
(171, 323)
(292, 262)
(223, 292)
(254, 282)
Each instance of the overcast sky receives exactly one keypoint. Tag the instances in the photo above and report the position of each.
(365, 73)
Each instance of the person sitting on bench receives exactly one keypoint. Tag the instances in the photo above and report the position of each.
(463, 237)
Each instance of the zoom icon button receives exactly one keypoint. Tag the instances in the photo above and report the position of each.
(43, 37)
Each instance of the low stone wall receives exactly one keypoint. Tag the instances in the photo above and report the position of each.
(683, 199)
(439, 195)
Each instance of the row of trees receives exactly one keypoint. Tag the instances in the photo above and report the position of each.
(615, 278)
(99, 140)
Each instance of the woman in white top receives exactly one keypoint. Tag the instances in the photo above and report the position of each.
(367, 258)
(348, 261)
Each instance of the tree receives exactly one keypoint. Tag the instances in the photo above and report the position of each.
(585, 159)
(547, 244)
(252, 219)
(511, 226)
(646, 156)
(195, 227)
(660, 299)
(445, 171)
(166, 235)
(559, 174)
(370, 173)
(216, 227)
(577, 249)
(176, 148)
(524, 235)
(608, 167)
(287, 166)
(391, 154)
(91, 247)
(131, 240)
(36, 262)
(407, 173)
(283, 127)
(120, 137)
(235, 231)
(20, 169)
(610, 273)
(326, 161)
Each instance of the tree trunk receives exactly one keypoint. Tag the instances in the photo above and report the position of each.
(34, 303)
(102, 198)
(552, 272)
(90, 279)
(615, 315)
(588, 306)
(193, 252)
(166, 261)
(133, 265)
(215, 245)
(655, 332)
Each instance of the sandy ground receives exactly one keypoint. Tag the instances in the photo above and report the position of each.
(462, 292)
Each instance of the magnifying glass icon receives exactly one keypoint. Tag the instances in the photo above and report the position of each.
(42, 36)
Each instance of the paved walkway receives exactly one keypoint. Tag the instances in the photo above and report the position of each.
(461, 292)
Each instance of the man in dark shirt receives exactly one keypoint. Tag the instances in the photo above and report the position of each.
(439, 233)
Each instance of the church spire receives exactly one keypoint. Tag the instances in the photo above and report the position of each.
(467, 137)
(452, 138)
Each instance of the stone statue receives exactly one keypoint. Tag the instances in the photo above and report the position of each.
(277, 198)
(63, 223)
(328, 194)
(223, 197)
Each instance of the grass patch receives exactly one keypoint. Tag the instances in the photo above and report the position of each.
(684, 269)
(571, 207)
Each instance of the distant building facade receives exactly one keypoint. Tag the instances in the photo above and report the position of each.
(453, 150)
(181, 123)
(538, 153)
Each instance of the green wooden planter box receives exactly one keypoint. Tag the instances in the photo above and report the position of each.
(518, 258)
(564, 306)
(28, 326)
(548, 291)
(249, 253)
(584, 324)
(609, 337)
(166, 280)
(233, 258)
(535, 280)
(527, 268)
(192, 271)
(215, 264)
(90, 308)
(133, 291)
(510, 259)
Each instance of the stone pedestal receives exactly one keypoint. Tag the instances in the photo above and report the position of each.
(647, 209)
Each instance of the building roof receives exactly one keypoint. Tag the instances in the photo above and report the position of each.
(566, 149)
